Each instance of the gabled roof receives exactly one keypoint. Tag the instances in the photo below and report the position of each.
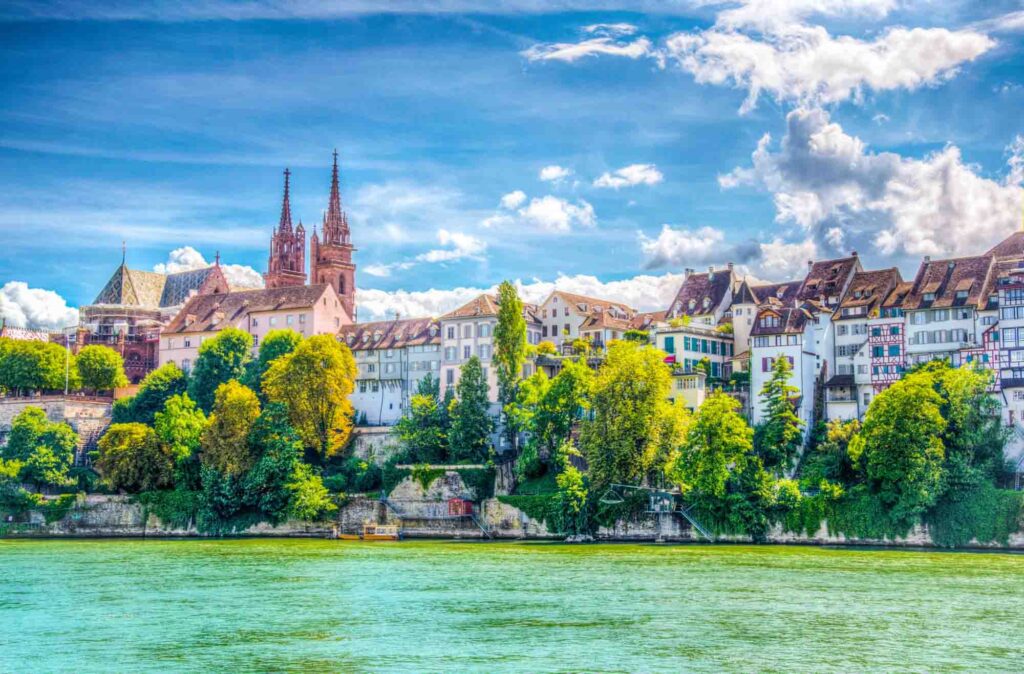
(581, 301)
(896, 296)
(391, 334)
(605, 320)
(791, 320)
(828, 278)
(481, 305)
(645, 320)
(744, 295)
(208, 313)
(151, 290)
(949, 280)
(1011, 246)
(702, 293)
(869, 289)
(783, 294)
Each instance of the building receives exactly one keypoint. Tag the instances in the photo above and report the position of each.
(566, 317)
(309, 310)
(705, 297)
(687, 345)
(330, 259)
(392, 357)
(287, 263)
(134, 305)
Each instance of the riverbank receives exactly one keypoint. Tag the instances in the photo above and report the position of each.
(105, 516)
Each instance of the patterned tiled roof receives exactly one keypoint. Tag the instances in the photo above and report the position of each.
(828, 278)
(207, 313)
(777, 293)
(591, 303)
(1011, 246)
(869, 289)
(391, 334)
(959, 282)
(133, 287)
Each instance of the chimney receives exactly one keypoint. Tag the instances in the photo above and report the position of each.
(729, 266)
(927, 259)
(711, 269)
(810, 265)
(853, 253)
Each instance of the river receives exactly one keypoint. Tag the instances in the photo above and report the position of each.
(325, 606)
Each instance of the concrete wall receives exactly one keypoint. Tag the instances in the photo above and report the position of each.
(378, 443)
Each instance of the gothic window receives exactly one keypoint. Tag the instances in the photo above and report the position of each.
(341, 284)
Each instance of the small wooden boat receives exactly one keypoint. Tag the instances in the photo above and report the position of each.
(373, 532)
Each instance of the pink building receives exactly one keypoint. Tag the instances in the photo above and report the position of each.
(308, 310)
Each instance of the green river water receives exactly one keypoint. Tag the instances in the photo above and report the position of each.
(325, 606)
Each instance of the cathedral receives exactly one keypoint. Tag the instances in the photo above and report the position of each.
(330, 258)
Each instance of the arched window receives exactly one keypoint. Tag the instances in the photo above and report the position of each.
(341, 284)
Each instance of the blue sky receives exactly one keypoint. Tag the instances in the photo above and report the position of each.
(893, 131)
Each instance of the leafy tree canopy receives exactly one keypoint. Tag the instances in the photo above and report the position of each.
(220, 360)
(155, 390)
(225, 446)
(471, 424)
(101, 368)
(131, 458)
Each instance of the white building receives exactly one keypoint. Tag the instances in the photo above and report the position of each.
(391, 357)
(563, 317)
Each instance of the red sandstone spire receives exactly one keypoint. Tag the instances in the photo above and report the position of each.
(286, 207)
(335, 221)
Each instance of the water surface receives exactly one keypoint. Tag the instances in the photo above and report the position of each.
(325, 606)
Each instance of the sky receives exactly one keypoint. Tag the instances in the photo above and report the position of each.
(602, 146)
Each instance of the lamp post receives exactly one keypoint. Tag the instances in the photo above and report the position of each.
(67, 356)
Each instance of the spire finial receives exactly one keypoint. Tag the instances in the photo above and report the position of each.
(335, 225)
(216, 259)
(285, 225)
(124, 252)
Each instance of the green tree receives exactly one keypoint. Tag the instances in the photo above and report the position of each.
(180, 426)
(310, 500)
(830, 460)
(547, 348)
(718, 440)
(423, 429)
(225, 446)
(36, 366)
(580, 347)
(637, 336)
(269, 488)
(315, 381)
(156, 389)
(471, 424)
(131, 458)
(901, 443)
(101, 368)
(220, 360)
(633, 426)
(275, 344)
(509, 351)
(572, 494)
(778, 437)
(45, 449)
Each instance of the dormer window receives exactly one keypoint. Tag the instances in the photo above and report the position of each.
(707, 302)
(693, 303)
(961, 294)
(780, 292)
(769, 321)
(929, 297)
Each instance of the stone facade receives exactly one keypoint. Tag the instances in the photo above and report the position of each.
(89, 417)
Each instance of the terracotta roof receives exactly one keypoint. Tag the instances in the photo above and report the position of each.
(391, 334)
(151, 290)
(946, 278)
(791, 320)
(645, 320)
(869, 289)
(206, 313)
(1011, 246)
(582, 301)
(605, 320)
(481, 305)
(701, 293)
(828, 278)
(487, 305)
(897, 294)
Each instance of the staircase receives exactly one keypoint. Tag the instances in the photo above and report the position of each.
(684, 512)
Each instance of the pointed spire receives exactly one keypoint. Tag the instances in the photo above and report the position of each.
(124, 252)
(286, 207)
(216, 259)
(335, 222)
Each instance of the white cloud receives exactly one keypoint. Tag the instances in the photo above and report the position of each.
(644, 292)
(769, 14)
(513, 200)
(188, 258)
(678, 247)
(384, 270)
(782, 261)
(552, 214)
(598, 46)
(554, 173)
(629, 176)
(610, 29)
(805, 64)
(461, 246)
(34, 308)
(822, 179)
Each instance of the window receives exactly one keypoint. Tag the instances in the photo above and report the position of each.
(255, 340)
(841, 330)
(467, 351)
(703, 346)
(451, 332)
(862, 369)
(961, 295)
(876, 332)
(273, 320)
(544, 331)
(877, 351)
(362, 387)
(670, 345)
(567, 330)
(188, 343)
(467, 331)
(940, 315)
(186, 366)
(867, 398)
(894, 350)
(686, 343)
(170, 343)
(389, 368)
(565, 311)
(484, 351)
(919, 317)
(894, 330)
(449, 377)
(302, 318)
(483, 330)
(375, 386)
(769, 321)
(761, 341)
(929, 297)
(370, 368)
(289, 319)
(714, 347)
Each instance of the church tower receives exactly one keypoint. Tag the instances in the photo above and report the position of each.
(287, 265)
(331, 258)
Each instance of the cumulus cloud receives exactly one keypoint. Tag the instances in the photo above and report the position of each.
(823, 179)
(598, 46)
(460, 246)
(34, 308)
(513, 200)
(807, 65)
(781, 260)
(644, 292)
(769, 14)
(553, 214)
(554, 173)
(676, 247)
(629, 176)
(188, 258)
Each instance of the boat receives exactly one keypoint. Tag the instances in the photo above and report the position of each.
(373, 532)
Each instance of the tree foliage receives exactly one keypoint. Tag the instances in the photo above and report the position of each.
(509, 350)
(275, 344)
(471, 424)
(36, 366)
(220, 360)
(155, 390)
(633, 426)
(131, 458)
(45, 449)
(100, 368)
(314, 382)
(779, 436)
(718, 440)
(225, 446)
(180, 426)
(423, 429)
